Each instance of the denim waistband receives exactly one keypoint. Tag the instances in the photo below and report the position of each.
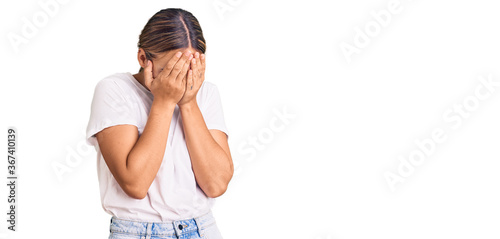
(168, 228)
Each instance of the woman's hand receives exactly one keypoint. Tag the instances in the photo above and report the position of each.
(170, 84)
(195, 78)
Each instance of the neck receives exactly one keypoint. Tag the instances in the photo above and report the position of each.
(140, 78)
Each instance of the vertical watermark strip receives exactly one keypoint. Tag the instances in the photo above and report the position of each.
(12, 178)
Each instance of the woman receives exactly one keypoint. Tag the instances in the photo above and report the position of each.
(160, 136)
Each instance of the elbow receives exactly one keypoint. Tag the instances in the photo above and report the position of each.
(135, 192)
(219, 187)
(216, 188)
(214, 191)
(137, 195)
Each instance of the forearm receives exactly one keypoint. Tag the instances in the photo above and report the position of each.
(211, 165)
(144, 160)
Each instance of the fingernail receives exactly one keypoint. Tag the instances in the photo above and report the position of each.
(178, 54)
(188, 53)
(194, 61)
(148, 63)
(197, 54)
(202, 56)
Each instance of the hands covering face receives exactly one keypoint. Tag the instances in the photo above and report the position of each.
(195, 78)
(179, 81)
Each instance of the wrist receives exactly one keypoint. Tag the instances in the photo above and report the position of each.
(162, 104)
(188, 105)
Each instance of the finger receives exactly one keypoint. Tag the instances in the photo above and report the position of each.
(171, 63)
(190, 81)
(184, 82)
(197, 70)
(197, 57)
(179, 65)
(197, 60)
(183, 71)
(194, 68)
(201, 69)
(148, 74)
(203, 59)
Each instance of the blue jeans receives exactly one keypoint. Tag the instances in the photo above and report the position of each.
(203, 227)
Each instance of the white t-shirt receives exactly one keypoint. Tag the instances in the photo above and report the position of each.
(174, 194)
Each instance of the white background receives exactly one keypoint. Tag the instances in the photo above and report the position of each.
(320, 174)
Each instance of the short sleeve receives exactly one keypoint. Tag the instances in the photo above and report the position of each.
(109, 107)
(213, 113)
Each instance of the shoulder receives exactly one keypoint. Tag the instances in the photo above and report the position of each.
(208, 85)
(117, 79)
(118, 83)
(207, 89)
(206, 93)
(113, 88)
